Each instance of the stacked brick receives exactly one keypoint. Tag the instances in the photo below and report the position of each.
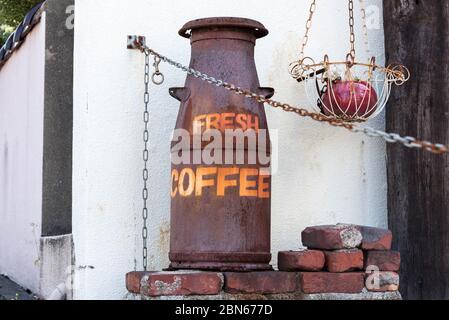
(339, 260)
(344, 259)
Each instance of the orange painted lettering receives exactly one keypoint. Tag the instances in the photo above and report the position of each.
(213, 121)
(253, 124)
(174, 182)
(241, 121)
(227, 121)
(264, 185)
(248, 188)
(198, 123)
(191, 183)
(223, 183)
(201, 182)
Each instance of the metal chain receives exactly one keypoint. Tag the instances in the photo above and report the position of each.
(409, 142)
(146, 138)
(305, 39)
(351, 29)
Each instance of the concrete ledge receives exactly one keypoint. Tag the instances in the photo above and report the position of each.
(365, 296)
(56, 267)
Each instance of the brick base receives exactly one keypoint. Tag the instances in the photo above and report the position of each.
(155, 284)
(326, 282)
(307, 260)
(343, 262)
(258, 285)
(271, 282)
(383, 260)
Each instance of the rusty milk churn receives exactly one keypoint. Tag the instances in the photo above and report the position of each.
(220, 211)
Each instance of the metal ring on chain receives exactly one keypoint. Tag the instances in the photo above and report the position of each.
(158, 78)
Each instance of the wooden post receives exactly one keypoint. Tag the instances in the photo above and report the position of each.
(417, 35)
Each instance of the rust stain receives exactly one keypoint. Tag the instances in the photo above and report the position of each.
(164, 238)
(220, 220)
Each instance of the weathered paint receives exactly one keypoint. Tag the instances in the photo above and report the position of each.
(418, 195)
(21, 160)
(229, 227)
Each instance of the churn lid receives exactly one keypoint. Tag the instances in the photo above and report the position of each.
(259, 29)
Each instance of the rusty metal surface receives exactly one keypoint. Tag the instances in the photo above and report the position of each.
(133, 41)
(233, 23)
(231, 230)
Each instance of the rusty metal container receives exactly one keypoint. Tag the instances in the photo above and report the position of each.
(220, 213)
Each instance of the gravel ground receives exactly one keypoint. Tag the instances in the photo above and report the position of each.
(12, 291)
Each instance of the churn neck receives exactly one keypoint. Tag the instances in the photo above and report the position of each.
(223, 28)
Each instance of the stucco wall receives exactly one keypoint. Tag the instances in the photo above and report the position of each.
(325, 175)
(21, 143)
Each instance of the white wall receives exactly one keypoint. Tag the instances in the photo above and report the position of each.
(325, 175)
(21, 145)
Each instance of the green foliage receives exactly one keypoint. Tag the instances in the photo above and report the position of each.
(12, 13)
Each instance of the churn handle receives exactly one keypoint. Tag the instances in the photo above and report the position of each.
(180, 94)
(266, 92)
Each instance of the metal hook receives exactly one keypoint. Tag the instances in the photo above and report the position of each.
(156, 63)
(157, 78)
(350, 60)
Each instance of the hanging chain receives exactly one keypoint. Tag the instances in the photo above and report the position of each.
(305, 39)
(157, 78)
(351, 29)
(408, 142)
(365, 28)
(146, 138)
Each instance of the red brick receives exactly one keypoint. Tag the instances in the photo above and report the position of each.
(155, 284)
(326, 282)
(384, 281)
(269, 282)
(332, 237)
(133, 281)
(344, 260)
(375, 238)
(383, 260)
(307, 260)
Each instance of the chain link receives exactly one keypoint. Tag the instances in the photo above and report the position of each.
(146, 139)
(409, 142)
(305, 39)
(351, 29)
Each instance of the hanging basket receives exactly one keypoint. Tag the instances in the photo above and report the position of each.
(348, 90)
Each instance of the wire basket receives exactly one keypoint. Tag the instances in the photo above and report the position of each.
(349, 90)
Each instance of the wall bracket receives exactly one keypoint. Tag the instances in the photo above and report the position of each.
(135, 42)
